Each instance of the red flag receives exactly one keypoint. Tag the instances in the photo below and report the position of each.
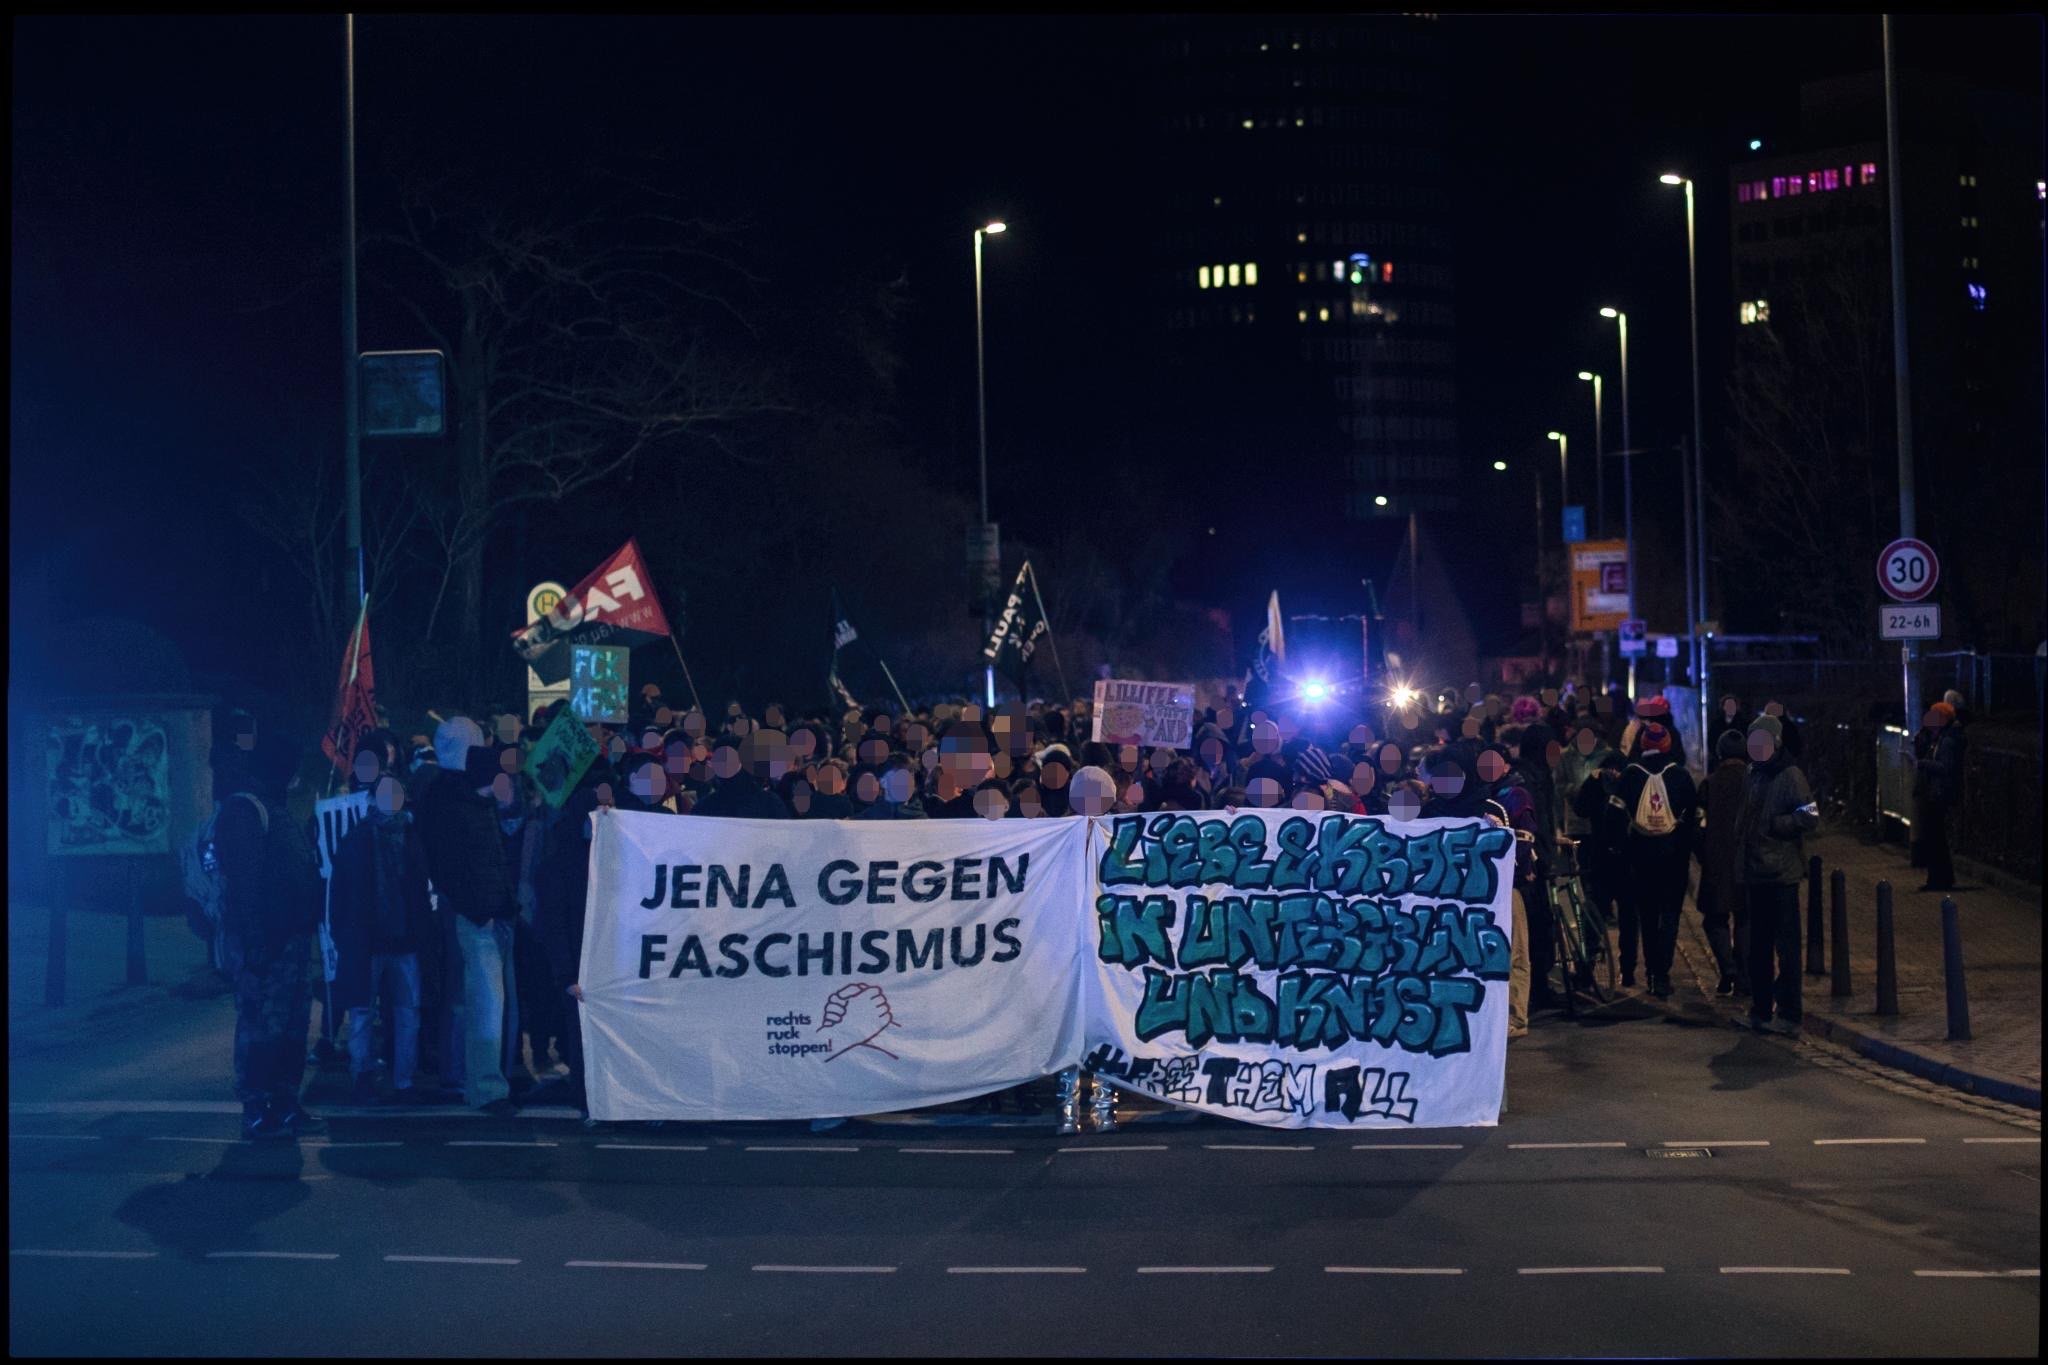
(615, 605)
(355, 697)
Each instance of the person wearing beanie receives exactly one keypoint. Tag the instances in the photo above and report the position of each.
(1776, 814)
(1937, 773)
(1720, 894)
(1663, 809)
(1093, 790)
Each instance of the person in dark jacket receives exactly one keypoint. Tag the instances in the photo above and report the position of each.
(742, 769)
(1501, 781)
(562, 888)
(896, 784)
(1730, 718)
(1937, 773)
(1777, 811)
(1604, 853)
(270, 883)
(466, 858)
(1720, 893)
(1659, 845)
(379, 914)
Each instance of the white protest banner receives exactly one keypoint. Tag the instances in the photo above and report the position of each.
(770, 969)
(1298, 971)
(1155, 714)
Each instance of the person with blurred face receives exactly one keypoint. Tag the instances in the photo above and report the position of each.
(379, 915)
(1720, 894)
(895, 784)
(1778, 811)
(1937, 774)
(1664, 810)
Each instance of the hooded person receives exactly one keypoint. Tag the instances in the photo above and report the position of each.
(1937, 774)
(380, 915)
(1663, 806)
(1532, 763)
(1720, 895)
(1777, 812)
(1055, 783)
(1455, 789)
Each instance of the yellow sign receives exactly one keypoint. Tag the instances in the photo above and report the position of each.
(1599, 585)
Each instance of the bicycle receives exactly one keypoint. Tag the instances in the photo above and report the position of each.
(1582, 932)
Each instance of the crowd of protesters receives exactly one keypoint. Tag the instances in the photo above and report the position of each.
(455, 910)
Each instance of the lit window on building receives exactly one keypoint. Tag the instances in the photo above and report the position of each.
(1336, 270)
(1202, 276)
(1301, 236)
(1251, 272)
(2041, 189)
(1322, 315)
(1216, 276)
(1301, 315)
(1247, 123)
(1756, 310)
(1301, 274)
(1977, 297)
(1869, 173)
(1236, 273)
(1386, 272)
(1830, 179)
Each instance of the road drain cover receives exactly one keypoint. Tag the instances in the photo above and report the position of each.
(1678, 1151)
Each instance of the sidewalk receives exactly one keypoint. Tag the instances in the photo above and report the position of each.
(2001, 939)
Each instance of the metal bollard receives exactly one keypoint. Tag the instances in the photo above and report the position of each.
(1838, 930)
(1816, 946)
(1887, 954)
(1952, 973)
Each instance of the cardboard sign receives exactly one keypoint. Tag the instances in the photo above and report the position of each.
(561, 757)
(598, 678)
(1156, 714)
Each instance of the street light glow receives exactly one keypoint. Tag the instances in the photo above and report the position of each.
(1380, 500)
(998, 226)
(1609, 313)
(1586, 375)
(1500, 466)
(1672, 178)
(1554, 436)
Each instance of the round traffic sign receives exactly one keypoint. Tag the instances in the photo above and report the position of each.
(1908, 570)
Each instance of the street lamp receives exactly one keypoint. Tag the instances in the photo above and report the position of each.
(981, 413)
(1599, 459)
(1500, 466)
(1696, 586)
(1628, 487)
(1564, 467)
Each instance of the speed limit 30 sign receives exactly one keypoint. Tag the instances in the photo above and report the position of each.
(1908, 570)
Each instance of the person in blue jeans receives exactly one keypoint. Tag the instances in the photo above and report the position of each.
(467, 860)
(379, 915)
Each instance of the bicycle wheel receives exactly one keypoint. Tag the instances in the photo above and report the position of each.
(1569, 949)
(1593, 930)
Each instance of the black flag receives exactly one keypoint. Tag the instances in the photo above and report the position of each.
(1020, 628)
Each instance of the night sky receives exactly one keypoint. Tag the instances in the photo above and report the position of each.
(177, 186)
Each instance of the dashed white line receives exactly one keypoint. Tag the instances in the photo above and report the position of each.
(1205, 1269)
(1868, 1142)
(456, 1260)
(1591, 1270)
(1016, 1270)
(1782, 1270)
(1732, 1142)
(1559, 1146)
(341, 1146)
(480, 1143)
(88, 1255)
(1407, 1146)
(2033, 1274)
(634, 1265)
(649, 1147)
(827, 1269)
(806, 1147)
(1134, 1147)
(227, 1141)
(1392, 1270)
(2033, 1140)
(273, 1255)
(54, 1137)
(962, 1151)
(1253, 1147)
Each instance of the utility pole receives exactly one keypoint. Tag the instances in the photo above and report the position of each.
(1909, 651)
(351, 401)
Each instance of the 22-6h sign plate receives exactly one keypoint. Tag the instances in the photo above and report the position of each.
(1908, 570)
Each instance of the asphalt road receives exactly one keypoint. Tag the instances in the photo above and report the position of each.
(1830, 1213)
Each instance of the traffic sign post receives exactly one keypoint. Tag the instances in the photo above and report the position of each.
(1574, 525)
(1667, 646)
(1634, 637)
(1909, 621)
(540, 600)
(1908, 570)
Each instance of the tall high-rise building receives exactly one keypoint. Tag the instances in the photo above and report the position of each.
(1301, 322)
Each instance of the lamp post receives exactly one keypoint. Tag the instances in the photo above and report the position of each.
(981, 414)
(1628, 486)
(1696, 575)
(1902, 377)
(1599, 459)
(351, 404)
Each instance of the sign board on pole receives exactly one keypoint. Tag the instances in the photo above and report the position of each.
(984, 567)
(1909, 621)
(1150, 713)
(598, 678)
(541, 599)
(1667, 646)
(1908, 571)
(1634, 637)
(403, 393)
(1599, 585)
(1574, 524)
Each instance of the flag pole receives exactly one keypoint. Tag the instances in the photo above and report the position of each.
(1051, 638)
(694, 698)
(892, 683)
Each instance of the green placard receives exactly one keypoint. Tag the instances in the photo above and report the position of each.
(561, 757)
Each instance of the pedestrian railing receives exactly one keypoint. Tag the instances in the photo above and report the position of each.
(1895, 776)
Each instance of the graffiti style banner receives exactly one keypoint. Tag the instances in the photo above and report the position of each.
(771, 969)
(1303, 971)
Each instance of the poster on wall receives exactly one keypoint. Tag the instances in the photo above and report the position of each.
(109, 785)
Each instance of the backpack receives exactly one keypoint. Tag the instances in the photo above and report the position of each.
(1653, 808)
(206, 888)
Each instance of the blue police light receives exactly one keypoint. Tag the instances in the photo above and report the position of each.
(1315, 690)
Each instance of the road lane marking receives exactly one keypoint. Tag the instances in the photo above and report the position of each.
(1733, 1142)
(962, 1151)
(273, 1255)
(828, 1269)
(1392, 1270)
(54, 1107)
(1782, 1270)
(634, 1265)
(1868, 1142)
(1205, 1269)
(482, 1143)
(1252, 1147)
(228, 1141)
(1407, 1146)
(805, 1147)
(54, 1137)
(339, 1146)
(2034, 1140)
(1591, 1270)
(1977, 1274)
(1558, 1146)
(89, 1255)
(1134, 1147)
(456, 1260)
(649, 1147)
(1016, 1270)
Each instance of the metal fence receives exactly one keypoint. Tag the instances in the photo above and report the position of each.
(1990, 683)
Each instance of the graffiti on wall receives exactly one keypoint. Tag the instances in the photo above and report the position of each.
(110, 782)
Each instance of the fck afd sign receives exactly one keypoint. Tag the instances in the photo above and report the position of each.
(614, 605)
